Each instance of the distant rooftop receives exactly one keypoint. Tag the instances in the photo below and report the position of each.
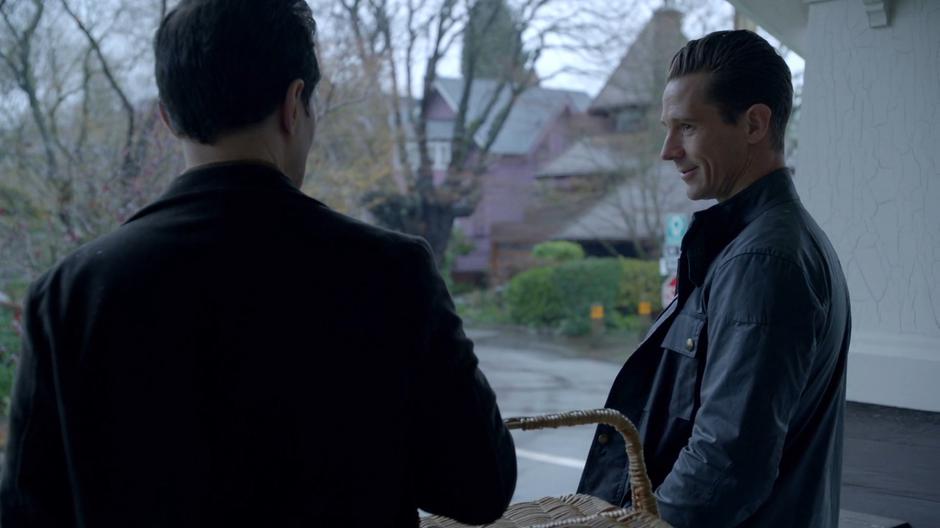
(535, 109)
(639, 77)
(597, 154)
(622, 214)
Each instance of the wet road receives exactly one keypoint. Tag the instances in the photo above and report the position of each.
(530, 379)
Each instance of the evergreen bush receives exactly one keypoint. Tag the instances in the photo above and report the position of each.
(557, 251)
(533, 298)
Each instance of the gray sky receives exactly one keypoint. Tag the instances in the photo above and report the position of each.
(579, 71)
(705, 16)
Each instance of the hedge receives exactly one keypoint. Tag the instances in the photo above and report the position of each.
(557, 251)
(560, 295)
(640, 281)
(534, 299)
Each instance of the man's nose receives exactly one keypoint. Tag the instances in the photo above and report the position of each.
(672, 150)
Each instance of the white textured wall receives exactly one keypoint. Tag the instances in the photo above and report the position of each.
(868, 169)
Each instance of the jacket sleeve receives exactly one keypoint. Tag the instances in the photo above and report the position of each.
(464, 457)
(34, 491)
(762, 315)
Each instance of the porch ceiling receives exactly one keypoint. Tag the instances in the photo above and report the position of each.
(784, 19)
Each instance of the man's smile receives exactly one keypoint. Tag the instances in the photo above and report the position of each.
(688, 173)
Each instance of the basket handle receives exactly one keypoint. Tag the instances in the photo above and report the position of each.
(640, 487)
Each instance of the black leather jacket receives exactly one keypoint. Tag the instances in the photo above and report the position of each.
(739, 387)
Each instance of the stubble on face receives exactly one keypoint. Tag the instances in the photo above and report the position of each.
(709, 153)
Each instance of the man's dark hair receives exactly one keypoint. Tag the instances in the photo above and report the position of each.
(225, 64)
(744, 70)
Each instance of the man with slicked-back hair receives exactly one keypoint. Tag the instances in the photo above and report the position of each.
(238, 354)
(738, 389)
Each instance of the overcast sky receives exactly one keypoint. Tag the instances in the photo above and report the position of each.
(705, 16)
(579, 71)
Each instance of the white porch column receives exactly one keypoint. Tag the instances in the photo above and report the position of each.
(868, 169)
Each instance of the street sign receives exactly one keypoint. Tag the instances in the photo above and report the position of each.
(668, 266)
(675, 228)
(676, 224)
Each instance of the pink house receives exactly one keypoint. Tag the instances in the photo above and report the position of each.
(538, 128)
(541, 183)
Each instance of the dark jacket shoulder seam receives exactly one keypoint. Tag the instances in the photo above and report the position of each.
(758, 252)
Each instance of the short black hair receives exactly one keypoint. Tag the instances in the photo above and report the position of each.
(744, 70)
(226, 64)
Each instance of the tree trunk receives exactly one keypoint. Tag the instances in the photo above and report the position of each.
(437, 222)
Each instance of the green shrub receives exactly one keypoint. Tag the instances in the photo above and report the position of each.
(627, 322)
(484, 307)
(9, 345)
(639, 281)
(560, 296)
(457, 246)
(575, 327)
(557, 251)
(533, 298)
(583, 283)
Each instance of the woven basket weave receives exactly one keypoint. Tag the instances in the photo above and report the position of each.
(580, 511)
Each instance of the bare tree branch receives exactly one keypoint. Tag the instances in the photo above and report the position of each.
(129, 165)
(22, 67)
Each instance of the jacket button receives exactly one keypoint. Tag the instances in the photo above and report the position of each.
(602, 439)
(689, 344)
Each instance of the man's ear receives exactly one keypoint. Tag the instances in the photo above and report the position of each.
(291, 106)
(165, 117)
(757, 119)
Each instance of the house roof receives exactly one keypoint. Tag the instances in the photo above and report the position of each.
(622, 213)
(599, 154)
(544, 217)
(535, 109)
(639, 77)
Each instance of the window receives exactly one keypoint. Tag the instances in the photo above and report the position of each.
(440, 154)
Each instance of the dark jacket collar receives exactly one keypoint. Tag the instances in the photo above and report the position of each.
(228, 176)
(714, 228)
(220, 177)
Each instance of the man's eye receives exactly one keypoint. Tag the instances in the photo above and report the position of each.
(685, 127)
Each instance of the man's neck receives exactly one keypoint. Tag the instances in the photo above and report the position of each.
(248, 145)
(757, 168)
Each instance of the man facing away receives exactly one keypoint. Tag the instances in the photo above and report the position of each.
(237, 354)
(738, 389)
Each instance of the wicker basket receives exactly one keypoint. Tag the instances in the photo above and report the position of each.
(580, 511)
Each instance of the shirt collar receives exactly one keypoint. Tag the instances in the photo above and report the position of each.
(714, 228)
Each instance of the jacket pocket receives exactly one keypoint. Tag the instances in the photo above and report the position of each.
(684, 348)
(685, 334)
